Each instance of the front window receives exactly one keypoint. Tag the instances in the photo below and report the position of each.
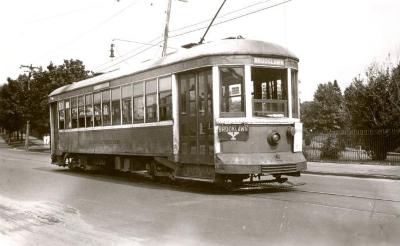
(232, 83)
(269, 92)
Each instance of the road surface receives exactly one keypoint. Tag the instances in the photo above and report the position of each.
(41, 204)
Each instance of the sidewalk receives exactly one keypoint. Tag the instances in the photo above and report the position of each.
(35, 144)
(354, 170)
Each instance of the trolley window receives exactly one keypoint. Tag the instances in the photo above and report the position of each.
(116, 106)
(61, 115)
(89, 110)
(138, 105)
(81, 111)
(151, 101)
(269, 92)
(232, 99)
(67, 110)
(97, 108)
(127, 104)
(295, 97)
(105, 104)
(165, 98)
(74, 112)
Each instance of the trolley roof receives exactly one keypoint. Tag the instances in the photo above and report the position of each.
(221, 47)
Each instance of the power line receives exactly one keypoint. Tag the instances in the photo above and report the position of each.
(201, 28)
(79, 36)
(222, 16)
(195, 24)
(231, 19)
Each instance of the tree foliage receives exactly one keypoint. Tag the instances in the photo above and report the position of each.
(325, 112)
(373, 102)
(26, 98)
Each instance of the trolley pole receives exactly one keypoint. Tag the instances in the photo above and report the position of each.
(27, 133)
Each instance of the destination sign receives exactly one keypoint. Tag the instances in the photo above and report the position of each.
(269, 61)
(233, 132)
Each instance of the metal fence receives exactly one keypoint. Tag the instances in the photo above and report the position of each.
(362, 146)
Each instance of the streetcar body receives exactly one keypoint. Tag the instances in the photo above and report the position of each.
(223, 111)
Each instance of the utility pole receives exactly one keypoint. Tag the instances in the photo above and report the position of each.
(30, 67)
(164, 51)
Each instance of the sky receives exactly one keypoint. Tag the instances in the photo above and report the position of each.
(334, 39)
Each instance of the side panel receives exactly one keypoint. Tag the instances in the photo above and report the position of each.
(129, 141)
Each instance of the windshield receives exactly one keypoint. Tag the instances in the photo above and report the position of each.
(269, 92)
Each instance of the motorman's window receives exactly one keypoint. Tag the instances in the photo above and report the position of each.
(81, 111)
(105, 103)
(151, 101)
(295, 97)
(67, 109)
(116, 106)
(61, 115)
(138, 105)
(232, 91)
(269, 92)
(127, 104)
(89, 110)
(97, 108)
(74, 112)
(165, 98)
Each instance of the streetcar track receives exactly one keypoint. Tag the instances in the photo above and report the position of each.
(346, 195)
(372, 210)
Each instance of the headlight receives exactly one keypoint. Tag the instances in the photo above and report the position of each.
(274, 138)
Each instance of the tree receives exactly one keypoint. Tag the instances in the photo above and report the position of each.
(20, 102)
(325, 112)
(45, 81)
(11, 115)
(373, 103)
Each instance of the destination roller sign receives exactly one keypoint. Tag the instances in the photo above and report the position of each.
(233, 132)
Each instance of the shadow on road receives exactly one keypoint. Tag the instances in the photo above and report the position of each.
(180, 186)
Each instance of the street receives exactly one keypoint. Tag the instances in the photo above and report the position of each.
(48, 205)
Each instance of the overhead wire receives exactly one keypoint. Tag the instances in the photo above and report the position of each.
(202, 28)
(221, 16)
(81, 35)
(231, 19)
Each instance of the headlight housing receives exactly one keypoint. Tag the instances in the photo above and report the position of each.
(274, 138)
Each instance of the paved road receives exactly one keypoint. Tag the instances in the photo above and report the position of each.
(42, 204)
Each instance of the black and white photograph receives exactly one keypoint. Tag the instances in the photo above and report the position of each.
(200, 122)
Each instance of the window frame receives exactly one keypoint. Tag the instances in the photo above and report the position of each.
(166, 105)
(224, 114)
(112, 107)
(147, 95)
(283, 71)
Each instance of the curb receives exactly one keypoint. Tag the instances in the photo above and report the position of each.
(355, 175)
